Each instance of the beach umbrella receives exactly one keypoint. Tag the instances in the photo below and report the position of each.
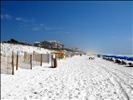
(125, 58)
(104, 55)
(62, 53)
(130, 58)
(121, 57)
(109, 56)
(99, 55)
(112, 56)
(89, 54)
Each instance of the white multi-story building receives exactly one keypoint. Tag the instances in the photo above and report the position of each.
(50, 44)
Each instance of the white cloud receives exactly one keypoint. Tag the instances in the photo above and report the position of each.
(20, 19)
(24, 20)
(9, 17)
(41, 24)
(52, 28)
(2, 16)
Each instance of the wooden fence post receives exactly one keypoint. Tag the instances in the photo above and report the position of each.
(25, 56)
(17, 62)
(12, 63)
(55, 62)
(41, 60)
(30, 61)
(51, 60)
(33, 55)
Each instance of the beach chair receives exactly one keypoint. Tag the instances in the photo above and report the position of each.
(118, 61)
(123, 62)
(112, 59)
(91, 57)
(130, 64)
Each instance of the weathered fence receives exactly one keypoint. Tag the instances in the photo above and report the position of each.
(12, 63)
(25, 61)
(6, 64)
(38, 59)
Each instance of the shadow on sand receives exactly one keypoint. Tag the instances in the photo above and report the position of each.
(48, 67)
(128, 66)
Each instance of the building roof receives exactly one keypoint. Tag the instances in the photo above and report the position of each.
(37, 42)
(53, 41)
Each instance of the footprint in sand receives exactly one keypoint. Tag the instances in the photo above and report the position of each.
(91, 97)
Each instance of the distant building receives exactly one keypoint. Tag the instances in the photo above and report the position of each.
(38, 44)
(50, 44)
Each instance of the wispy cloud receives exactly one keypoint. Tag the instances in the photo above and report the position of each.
(24, 19)
(53, 28)
(37, 26)
(7, 16)
(20, 19)
(2, 16)
(41, 24)
(44, 27)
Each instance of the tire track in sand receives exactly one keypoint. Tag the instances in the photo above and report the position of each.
(124, 87)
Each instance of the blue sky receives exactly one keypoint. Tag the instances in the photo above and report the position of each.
(95, 27)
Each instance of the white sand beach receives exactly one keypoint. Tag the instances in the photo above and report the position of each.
(76, 78)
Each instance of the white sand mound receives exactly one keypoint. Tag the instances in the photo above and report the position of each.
(7, 49)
